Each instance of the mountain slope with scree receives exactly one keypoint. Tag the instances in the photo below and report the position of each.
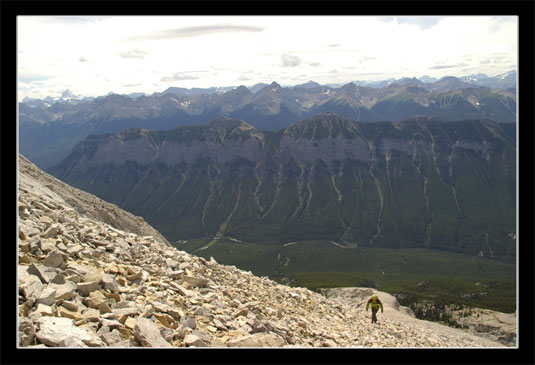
(87, 283)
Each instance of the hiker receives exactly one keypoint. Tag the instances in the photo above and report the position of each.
(376, 304)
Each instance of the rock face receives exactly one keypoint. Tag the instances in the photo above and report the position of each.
(109, 287)
(490, 324)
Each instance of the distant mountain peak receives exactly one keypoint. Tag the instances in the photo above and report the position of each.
(409, 80)
(67, 94)
(273, 87)
(350, 88)
(308, 85)
(428, 79)
(449, 78)
(511, 73)
(241, 90)
(350, 85)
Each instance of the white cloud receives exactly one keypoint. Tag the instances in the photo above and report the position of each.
(133, 53)
(194, 31)
(259, 48)
(179, 76)
(423, 22)
(290, 61)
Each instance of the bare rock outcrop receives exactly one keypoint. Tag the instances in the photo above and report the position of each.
(86, 282)
(496, 326)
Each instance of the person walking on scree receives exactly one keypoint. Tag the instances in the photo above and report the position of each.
(376, 304)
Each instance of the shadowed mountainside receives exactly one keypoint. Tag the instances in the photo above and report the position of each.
(419, 183)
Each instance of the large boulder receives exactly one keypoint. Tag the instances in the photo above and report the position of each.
(61, 332)
(148, 334)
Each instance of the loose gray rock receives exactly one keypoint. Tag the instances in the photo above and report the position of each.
(47, 297)
(194, 341)
(42, 272)
(87, 287)
(64, 291)
(258, 340)
(52, 231)
(56, 332)
(109, 283)
(31, 289)
(195, 282)
(26, 332)
(112, 338)
(148, 334)
(54, 259)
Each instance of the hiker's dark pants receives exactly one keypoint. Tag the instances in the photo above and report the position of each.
(374, 315)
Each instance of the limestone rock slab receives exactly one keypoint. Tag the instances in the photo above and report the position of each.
(56, 331)
(148, 334)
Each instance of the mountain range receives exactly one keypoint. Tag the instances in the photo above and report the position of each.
(49, 129)
(447, 185)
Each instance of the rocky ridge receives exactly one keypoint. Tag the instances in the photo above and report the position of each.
(84, 282)
(35, 181)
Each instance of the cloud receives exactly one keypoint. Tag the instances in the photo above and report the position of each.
(133, 53)
(179, 76)
(76, 19)
(366, 59)
(195, 31)
(440, 67)
(422, 22)
(32, 78)
(219, 68)
(371, 73)
(333, 45)
(82, 59)
(290, 61)
(315, 64)
(497, 22)
(130, 85)
(499, 56)
(386, 19)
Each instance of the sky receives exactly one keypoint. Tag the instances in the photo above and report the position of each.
(92, 56)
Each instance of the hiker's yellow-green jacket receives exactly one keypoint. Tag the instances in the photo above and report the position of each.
(376, 304)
